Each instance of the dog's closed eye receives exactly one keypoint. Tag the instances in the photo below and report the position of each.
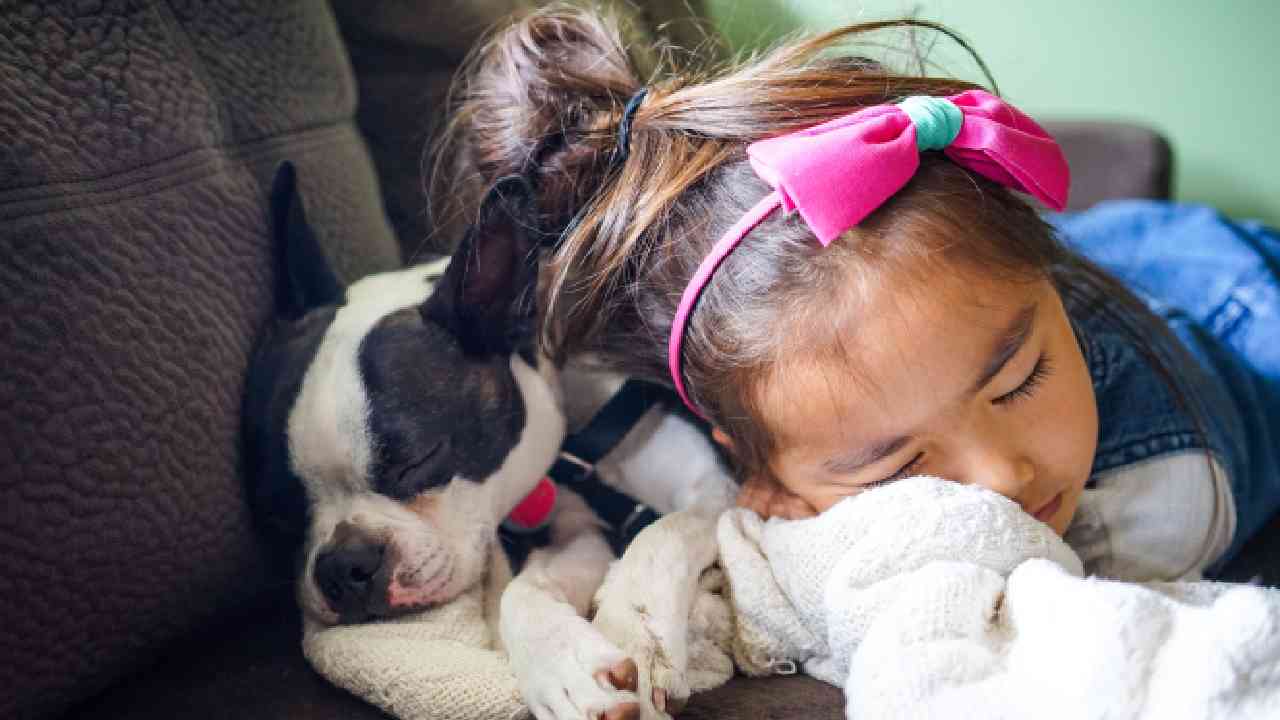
(428, 470)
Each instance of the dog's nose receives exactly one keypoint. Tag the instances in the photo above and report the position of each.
(345, 575)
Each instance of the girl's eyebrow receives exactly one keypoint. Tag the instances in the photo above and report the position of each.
(1007, 344)
(852, 462)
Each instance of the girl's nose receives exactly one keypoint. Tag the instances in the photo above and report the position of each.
(1009, 475)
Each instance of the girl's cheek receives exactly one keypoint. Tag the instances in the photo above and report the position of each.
(1070, 421)
(834, 495)
(828, 500)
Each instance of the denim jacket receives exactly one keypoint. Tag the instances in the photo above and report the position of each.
(1217, 286)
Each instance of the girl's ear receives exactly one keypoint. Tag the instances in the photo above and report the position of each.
(721, 438)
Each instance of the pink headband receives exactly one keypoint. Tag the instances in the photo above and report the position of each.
(838, 172)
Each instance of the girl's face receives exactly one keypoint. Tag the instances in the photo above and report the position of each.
(973, 379)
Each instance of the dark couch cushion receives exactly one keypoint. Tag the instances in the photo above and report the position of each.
(1113, 160)
(90, 91)
(253, 669)
(139, 139)
(247, 668)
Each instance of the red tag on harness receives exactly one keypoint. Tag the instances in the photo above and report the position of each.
(534, 510)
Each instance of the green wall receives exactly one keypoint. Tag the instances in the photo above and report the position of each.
(1206, 74)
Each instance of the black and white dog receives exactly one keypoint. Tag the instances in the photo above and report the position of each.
(392, 425)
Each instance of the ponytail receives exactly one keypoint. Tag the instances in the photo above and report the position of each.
(539, 97)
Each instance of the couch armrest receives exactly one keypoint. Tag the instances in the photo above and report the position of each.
(1112, 160)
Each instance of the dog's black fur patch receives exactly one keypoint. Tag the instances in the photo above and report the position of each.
(275, 377)
(307, 293)
(435, 411)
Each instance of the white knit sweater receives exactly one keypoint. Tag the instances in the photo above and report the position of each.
(926, 598)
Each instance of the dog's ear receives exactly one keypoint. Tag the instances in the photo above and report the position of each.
(306, 279)
(486, 297)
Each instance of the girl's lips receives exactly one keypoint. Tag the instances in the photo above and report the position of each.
(1049, 509)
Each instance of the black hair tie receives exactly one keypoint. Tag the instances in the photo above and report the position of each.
(623, 150)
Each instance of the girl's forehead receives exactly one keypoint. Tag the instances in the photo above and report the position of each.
(893, 360)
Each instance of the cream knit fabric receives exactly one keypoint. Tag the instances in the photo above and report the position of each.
(930, 599)
(436, 665)
(442, 664)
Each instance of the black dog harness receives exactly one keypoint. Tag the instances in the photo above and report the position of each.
(575, 470)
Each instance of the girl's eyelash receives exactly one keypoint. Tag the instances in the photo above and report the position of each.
(1028, 387)
(902, 472)
(1042, 369)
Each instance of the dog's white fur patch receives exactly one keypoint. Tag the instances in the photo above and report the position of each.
(668, 464)
(330, 446)
(544, 428)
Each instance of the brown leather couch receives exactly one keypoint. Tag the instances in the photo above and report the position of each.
(137, 140)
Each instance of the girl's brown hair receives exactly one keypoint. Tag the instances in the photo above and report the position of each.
(544, 97)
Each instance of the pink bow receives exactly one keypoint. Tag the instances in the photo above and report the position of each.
(836, 173)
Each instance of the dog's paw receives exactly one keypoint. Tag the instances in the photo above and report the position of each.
(672, 658)
(658, 603)
(710, 634)
(661, 688)
(575, 673)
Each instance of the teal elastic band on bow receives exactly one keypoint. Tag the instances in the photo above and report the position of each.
(937, 120)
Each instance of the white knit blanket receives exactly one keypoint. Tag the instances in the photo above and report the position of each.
(441, 664)
(930, 599)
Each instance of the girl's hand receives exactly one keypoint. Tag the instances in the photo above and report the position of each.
(769, 499)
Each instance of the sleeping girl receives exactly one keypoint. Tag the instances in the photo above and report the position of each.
(836, 264)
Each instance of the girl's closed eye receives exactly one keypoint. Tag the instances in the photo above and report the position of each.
(1043, 368)
(900, 473)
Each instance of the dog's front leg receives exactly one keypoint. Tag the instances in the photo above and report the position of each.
(659, 605)
(566, 669)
